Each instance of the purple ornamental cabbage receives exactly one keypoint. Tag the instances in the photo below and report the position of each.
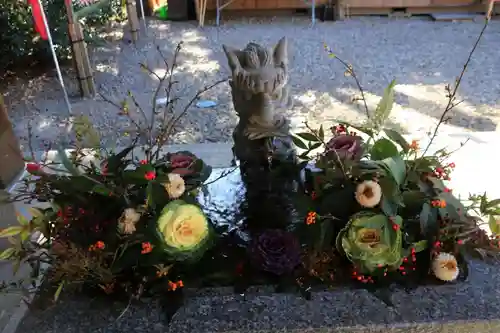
(275, 251)
(348, 147)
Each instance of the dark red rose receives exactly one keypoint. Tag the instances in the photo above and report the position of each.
(182, 164)
(275, 251)
(104, 168)
(348, 147)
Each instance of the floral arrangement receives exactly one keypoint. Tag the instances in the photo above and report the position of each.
(373, 208)
(382, 204)
(109, 220)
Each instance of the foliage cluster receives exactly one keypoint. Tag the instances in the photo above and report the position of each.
(19, 41)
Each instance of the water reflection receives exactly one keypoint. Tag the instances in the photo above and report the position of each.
(269, 201)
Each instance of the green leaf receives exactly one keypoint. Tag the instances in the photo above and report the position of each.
(425, 218)
(66, 162)
(398, 138)
(494, 225)
(308, 136)
(492, 204)
(89, 10)
(35, 212)
(7, 253)
(101, 189)
(321, 133)
(388, 206)
(114, 162)
(313, 146)
(298, 142)
(420, 246)
(383, 148)
(22, 219)
(205, 172)
(10, 231)
(396, 167)
(384, 107)
(149, 196)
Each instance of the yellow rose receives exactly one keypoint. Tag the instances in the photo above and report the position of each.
(175, 186)
(183, 228)
(368, 193)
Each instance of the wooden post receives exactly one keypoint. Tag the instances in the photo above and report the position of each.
(80, 55)
(341, 10)
(133, 20)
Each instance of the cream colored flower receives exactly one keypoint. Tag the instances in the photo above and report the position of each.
(445, 267)
(175, 186)
(368, 193)
(128, 220)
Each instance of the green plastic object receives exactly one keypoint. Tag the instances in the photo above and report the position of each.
(162, 12)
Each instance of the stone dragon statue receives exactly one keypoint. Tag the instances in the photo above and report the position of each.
(258, 87)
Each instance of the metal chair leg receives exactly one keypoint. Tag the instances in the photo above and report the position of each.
(217, 19)
(313, 11)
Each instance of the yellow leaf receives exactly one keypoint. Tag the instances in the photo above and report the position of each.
(7, 253)
(35, 212)
(25, 234)
(21, 219)
(10, 231)
(58, 291)
(16, 265)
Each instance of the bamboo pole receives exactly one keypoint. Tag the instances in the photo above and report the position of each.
(201, 8)
(80, 54)
(133, 20)
(489, 10)
(204, 12)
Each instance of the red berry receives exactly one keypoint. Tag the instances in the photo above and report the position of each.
(32, 167)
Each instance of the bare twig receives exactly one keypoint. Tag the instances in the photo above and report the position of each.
(168, 128)
(350, 70)
(140, 130)
(223, 175)
(452, 94)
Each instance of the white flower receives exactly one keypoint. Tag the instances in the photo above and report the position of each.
(368, 193)
(175, 186)
(445, 267)
(128, 220)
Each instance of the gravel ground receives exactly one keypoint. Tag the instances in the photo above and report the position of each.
(420, 54)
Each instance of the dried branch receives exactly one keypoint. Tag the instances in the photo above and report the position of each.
(168, 128)
(451, 94)
(350, 71)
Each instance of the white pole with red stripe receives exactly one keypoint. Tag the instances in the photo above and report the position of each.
(41, 12)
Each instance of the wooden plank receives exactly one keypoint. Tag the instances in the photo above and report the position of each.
(359, 9)
(453, 17)
(453, 2)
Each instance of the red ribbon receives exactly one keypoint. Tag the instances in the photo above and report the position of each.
(38, 19)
